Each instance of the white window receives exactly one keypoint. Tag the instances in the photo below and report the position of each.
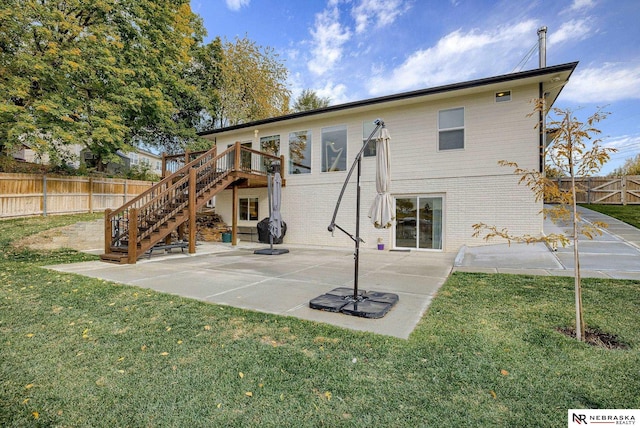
(367, 128)
(451, 129)
(270, 145)
(503, 96)
(248, 209)
(334, 148)
(300, 152)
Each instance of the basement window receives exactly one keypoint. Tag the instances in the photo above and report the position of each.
(503, 96)
(248, 209)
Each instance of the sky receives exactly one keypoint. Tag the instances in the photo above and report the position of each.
(351, 50)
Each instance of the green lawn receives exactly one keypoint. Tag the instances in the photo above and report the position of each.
(78, 351)
(628, 213)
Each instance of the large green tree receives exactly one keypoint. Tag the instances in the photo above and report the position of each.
(99, 73)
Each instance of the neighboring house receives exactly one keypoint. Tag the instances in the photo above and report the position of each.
(139, 157)
(144, 158)
(445, 146)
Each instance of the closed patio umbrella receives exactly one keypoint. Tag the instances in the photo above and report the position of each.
(275, 220)
(382, 212)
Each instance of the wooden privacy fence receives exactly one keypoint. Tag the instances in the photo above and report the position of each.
(35, 194)
(605, 190)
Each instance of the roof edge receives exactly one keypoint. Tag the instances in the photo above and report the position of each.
(404, 95)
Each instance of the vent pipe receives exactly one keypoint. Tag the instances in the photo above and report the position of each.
(542, 46)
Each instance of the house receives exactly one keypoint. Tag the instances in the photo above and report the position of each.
(77, 154)
(445, 146)
(146, 159)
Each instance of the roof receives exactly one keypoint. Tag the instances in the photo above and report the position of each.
(552, 79)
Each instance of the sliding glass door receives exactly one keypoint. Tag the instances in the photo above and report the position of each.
(419, 222)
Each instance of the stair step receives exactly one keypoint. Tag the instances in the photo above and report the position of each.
(119, 258)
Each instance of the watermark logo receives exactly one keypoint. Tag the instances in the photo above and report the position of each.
(600, 417)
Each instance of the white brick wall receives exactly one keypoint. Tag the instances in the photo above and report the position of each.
(474, 187)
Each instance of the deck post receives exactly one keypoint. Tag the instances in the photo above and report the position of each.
(192, 211)
(132, 248)
(234, 217)
(107, 231)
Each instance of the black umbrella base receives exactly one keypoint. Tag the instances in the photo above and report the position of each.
(271, 251)
(373, 304)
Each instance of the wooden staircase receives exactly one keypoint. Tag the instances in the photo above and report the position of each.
(151, 217)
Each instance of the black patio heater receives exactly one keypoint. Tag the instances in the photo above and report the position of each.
(372, 304)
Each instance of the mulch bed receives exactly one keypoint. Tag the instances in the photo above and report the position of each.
(596, 337)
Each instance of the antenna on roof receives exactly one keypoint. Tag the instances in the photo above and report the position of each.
(542, 46)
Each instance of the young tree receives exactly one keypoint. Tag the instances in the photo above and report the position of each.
(572, 156)
(309, 100)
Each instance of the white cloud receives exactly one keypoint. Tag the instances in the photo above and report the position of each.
(605, 84)
(237, 4)
(582, 5)
(335, 92)
(377, 13)
(459, 56)
(329, 37)
(574, 30)
(625, 144)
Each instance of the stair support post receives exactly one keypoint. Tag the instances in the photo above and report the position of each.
(234, 217)
(192, 211)
(107, 231)
(132, 249)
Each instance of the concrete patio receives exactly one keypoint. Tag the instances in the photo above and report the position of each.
(284, 284)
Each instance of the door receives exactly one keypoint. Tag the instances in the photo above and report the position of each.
(419, 222)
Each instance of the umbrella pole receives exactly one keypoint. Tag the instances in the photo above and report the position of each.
(357, 252)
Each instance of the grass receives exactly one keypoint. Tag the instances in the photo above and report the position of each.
(629, 214)
(78, 351)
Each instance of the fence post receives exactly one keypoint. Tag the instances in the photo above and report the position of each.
(44, 195)
(623, 182)
(589, 190)
(124, 196)
(90, 195)
(164, 165)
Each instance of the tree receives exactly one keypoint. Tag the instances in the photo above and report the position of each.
(309, 100)
(99, 73)
(631, 167)
(253, 84)
(569, 154)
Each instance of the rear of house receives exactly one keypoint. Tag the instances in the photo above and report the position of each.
(445, 146)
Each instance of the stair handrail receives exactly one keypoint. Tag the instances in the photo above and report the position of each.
(118, 231)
